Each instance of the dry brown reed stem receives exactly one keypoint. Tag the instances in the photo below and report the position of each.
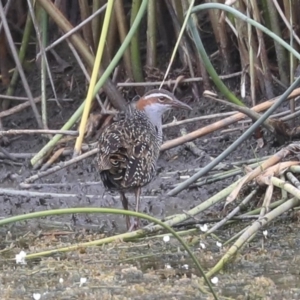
(220, 124)
(87, 28)
(276, 170)
(267, 76)
(119, 10)
(221, 35)
(281, 54)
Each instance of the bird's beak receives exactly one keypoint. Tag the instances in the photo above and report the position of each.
(178, 104)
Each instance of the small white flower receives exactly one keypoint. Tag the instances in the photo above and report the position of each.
(219, 244)
(82, 281)
(214, 280)
(36, 296)
(61, 280)
(20, 258)
(186, 266)
(167, 266)
(166, 238)
(202, 245)
(265, 233)
(204, 227)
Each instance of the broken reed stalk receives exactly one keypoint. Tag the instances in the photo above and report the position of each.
(253, 229)
(263, 171)
(253, 214)
(233, 212)
(267, 200)
(293, 179)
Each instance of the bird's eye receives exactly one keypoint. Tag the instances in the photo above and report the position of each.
(161, 99)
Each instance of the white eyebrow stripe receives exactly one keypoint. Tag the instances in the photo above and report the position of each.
(157, 95)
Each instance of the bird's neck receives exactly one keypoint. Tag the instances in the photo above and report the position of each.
(155, 117)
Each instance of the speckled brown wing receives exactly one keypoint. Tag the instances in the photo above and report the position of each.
(141, 166)
(128, 150)
(112, 157)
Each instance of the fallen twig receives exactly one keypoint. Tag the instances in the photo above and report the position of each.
(60, 166)
(18, 108)
(171, 82)
(11, 192)
(37, 131)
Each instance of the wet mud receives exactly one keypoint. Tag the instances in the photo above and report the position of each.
(149, 269)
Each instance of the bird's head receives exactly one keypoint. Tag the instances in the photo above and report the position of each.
(157, 102)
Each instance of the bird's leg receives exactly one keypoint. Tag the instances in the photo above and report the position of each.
(136, 221)
(125, 206)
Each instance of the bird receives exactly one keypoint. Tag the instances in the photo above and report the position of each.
(129, 147)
